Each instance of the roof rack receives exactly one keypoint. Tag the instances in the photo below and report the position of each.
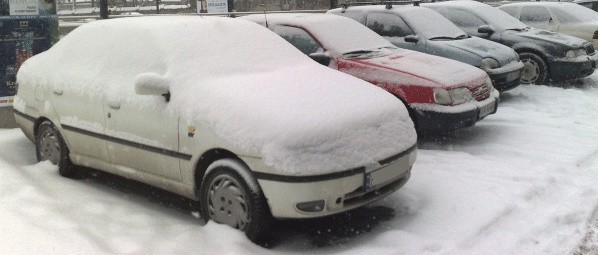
(388, 4)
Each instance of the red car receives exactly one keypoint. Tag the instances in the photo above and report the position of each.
(442, 95)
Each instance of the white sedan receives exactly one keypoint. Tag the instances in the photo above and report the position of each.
(566, 18)
(218, 110)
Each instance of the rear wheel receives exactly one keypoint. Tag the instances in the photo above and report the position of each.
(535, 70)
(49, 145)
(230, 195)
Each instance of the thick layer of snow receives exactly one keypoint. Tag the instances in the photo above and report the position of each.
(247, 84)
(522, 181)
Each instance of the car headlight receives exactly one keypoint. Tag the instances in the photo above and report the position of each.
(489, 84)
(489, 63)
(452, 96)
(576, 53)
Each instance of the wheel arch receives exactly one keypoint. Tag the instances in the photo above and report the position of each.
(38, 122)
(537, 52)
(206, 159)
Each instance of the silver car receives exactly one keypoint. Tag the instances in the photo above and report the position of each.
(424, 30)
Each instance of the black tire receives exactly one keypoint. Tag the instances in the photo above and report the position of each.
(49, 145)
(229, 178)
(535, 70)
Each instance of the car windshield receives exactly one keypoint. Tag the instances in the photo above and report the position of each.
(349, 38)
(498, 18)
(431, 25)
(572, 13)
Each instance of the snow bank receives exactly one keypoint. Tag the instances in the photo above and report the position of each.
(252, 88)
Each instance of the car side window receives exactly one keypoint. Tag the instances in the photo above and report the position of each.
(564, 17)
(461, 18)
(388, 24)
(535, 15)
(511, 10)
(299, 38)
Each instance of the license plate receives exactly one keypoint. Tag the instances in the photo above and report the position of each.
(487, 110)
(375, 178)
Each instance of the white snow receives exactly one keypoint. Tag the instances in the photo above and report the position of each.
(522, 181)
(247, 84)
(335, 33)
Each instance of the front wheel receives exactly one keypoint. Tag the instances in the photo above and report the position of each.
(49, 145)
(535, 70)
(230, 195)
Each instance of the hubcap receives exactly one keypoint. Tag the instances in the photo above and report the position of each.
(530, 72)
(227, 203)
(49, 147)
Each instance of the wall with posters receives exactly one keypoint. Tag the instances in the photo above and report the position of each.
(27, 27)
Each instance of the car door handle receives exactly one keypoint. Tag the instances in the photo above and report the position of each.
(58, 92)
(114, 105)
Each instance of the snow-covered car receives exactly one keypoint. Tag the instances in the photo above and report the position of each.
(566, 18)
(424, 30)
(250, 132)
(592, 4)
(545, 55)
(441, 94)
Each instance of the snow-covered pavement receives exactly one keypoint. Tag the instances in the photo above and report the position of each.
(521, 181)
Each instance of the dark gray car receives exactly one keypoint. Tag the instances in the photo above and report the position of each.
(424, 30)
(545, 55)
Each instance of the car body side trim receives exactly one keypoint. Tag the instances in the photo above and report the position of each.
(25, 116)
(141, 146)
(330, 176)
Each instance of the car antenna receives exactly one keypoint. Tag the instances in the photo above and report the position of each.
(265, 16)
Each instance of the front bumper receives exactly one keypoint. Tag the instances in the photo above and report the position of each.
(566, 69)
(333, 193)
(506, 77)
(435, 119)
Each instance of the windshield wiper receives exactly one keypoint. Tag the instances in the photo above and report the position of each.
(359, 52)
(443, 38)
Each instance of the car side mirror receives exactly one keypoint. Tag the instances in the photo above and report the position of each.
(485, 29)
(412, 38)
(321, 57)
(152, 84)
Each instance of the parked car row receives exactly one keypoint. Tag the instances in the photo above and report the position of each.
(311, 115)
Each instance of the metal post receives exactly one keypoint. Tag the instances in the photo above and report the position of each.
(103, 9)
(333, 4)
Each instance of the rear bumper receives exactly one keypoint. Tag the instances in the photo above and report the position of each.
(434, 119)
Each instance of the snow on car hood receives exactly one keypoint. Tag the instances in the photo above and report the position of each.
(484, 48)
(426, 70)
(245, 83)
(552, 37)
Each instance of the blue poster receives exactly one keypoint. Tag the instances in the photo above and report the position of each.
(21, 37)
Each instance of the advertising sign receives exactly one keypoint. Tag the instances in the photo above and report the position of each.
(212, 6)
(23, 7)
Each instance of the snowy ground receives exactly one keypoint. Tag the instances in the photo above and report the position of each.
(522, 181)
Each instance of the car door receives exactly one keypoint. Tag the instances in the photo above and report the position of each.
(81, 117)
(143, 136)
(394, 29)
(538, 17)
